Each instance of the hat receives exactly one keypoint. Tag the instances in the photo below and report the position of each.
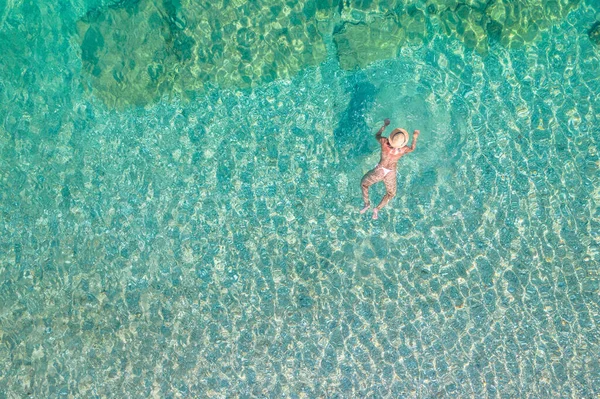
(398, 138)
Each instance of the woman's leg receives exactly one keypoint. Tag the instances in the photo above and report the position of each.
(369, 179)
(390, 188)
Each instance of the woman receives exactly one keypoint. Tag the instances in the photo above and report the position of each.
(392, 149)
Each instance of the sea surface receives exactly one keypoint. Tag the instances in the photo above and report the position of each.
(180, 196)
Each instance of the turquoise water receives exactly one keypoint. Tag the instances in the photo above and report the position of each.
(193, 230)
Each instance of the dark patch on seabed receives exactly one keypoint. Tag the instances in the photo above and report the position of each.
(136, 51)
(353, 134)
(594, 33)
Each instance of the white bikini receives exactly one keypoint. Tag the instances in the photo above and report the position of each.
(385, 171)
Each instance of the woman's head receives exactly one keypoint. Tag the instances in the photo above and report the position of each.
(398, 138)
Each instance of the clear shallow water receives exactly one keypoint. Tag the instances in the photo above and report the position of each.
(209, 244)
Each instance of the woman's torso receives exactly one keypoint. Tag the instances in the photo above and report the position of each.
(390, 155)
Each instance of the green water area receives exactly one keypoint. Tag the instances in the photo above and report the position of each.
(180, 196)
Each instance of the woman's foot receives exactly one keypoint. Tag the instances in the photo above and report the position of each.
(366, 208)
(375, 213)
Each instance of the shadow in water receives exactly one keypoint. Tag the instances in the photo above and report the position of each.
(353, 135)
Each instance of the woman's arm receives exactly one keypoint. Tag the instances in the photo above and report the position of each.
(386, 122)
(414, 143)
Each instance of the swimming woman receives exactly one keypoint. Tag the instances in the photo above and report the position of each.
(393, 148)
